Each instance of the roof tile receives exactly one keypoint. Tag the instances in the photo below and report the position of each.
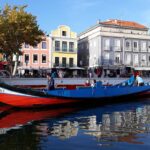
(124, 23)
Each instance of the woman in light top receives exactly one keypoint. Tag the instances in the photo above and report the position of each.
(139, 80)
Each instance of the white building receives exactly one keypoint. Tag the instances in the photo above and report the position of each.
(114, 44)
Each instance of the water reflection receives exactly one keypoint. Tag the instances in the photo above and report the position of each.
(35, 129)
(115, 126)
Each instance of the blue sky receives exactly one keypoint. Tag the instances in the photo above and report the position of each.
(81, 14)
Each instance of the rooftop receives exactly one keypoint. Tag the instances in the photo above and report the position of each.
(122, 23)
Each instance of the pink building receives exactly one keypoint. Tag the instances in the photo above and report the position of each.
(35, 58)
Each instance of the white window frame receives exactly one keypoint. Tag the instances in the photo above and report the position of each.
(106, 56)
(106, 44)
(42, 44)
(143, 60)
(136, 61)
(117, 55)
(37, 59)
(148, 60)
(137, 48)
(26, 63)
(117, 45)
(41, 58)
(148, 46)
(143, 46)
(129, 48)
(128, 59)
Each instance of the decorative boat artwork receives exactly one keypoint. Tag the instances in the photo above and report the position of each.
(19, 97)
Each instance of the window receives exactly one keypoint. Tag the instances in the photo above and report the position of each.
(127, 44)
(26, 58)
(143, 59)
(149, 60)
(57, 45)
(35, 58)
(106, 56)
(44, 45)
(64, 62)
(71, 62)
(135, 45)
(26, 45)
(64, 46)
(143, 46)
(136, 59)
(71, 46)
(43, 58)
(64, 33)
(106, 44)
(149, 46)
(117, 44)
(56, 61)
(117, 58)
(128, 58)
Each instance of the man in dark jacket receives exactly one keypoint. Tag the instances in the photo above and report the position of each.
(50, 82)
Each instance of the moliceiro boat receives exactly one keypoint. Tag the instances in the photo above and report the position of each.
(20, 97)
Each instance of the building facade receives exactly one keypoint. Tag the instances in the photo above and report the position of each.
(37, 57)
(1, 57)
(64, 47)
(115, 44)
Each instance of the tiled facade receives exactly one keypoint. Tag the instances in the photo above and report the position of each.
(113, 44)
(36, 57)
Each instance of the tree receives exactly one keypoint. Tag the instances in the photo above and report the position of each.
(17, 27)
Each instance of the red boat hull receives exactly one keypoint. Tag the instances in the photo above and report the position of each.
(29, 101)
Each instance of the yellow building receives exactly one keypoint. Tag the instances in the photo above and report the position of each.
(64, 47)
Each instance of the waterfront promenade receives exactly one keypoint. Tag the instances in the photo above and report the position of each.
(71, 81)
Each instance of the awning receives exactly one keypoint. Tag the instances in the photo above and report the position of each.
(76, 68)
(142, 68)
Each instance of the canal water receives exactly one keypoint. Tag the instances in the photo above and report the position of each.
(121, 126)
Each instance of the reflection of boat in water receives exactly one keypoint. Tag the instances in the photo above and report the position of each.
(12, 118)
(28, 98)
(121, 125)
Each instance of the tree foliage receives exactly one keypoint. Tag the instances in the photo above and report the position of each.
(17, 27)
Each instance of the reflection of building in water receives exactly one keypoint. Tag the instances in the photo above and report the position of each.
(121, 126)
(65, 129)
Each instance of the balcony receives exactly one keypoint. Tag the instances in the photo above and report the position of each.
(117, 48)
(128, 49)
(106, 48)
(58, 49)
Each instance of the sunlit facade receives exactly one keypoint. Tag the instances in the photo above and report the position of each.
(115, 44)
(63, 47)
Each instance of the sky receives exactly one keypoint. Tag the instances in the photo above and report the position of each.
(81, 14)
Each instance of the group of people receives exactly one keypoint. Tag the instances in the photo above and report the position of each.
(92, 83)
(134, 80)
